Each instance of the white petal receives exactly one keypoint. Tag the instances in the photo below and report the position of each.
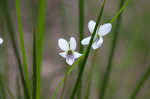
(86, 41)
(1, 41)
(63, 54)
(63, 44)
(70, 60)
(76, 55)
(72, 43)
(91, 26)
(104, 29)
(97, 44)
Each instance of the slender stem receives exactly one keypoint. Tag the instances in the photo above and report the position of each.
(140, 83)
(34, 65)
(4, 5)
(39, 44)
(111, 55)
(87, 53)
(26, 74)
(90, 74)
(81, 31)
(63, 89)
(81, 23)
(63, 78)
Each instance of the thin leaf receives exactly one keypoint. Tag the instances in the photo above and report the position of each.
(23, 53)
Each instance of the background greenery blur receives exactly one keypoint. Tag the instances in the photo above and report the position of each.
(132, 54)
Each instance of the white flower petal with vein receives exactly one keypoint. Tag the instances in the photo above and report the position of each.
(72, 43)
(70, 60)
(63, 54)
(63, 44)
(104, 29)
(91, 26)
(86, 41)
(76, 55)
(97, 43)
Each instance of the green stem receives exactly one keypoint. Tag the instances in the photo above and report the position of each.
(111, 55)
(34, 65)
(63, 89)
(81, 30)
(63, 78)
(140, 84)
(4, 5)
(87, 53)
(26, 74)
(39, 44)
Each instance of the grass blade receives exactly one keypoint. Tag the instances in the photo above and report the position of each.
(34, 65)
(23, 53)
(39, 44)
(140, 84)
(81, 35)
(112, 50)
(87, 53)
(4, 5)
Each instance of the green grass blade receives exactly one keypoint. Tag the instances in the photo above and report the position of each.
(81, 35)
(81, 23)
(9, 25)
(140, 83)
(34, 65)
(112, 50)
(87, 53)
(23, 53)
(120, 10)
(39, 44)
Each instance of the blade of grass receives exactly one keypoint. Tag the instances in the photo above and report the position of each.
(87, 53)
(39, 44)
(23, 53)
(4, 5)
(34, 65)
(81, 35)
(112, 49)
(140, 83)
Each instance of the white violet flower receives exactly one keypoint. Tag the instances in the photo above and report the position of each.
(1, 41)
(100, 32)
(69, 50)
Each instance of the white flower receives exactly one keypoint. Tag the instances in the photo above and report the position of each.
(100, 32)
(69, 50)
(1, 41)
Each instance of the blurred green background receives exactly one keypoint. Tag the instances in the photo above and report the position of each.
(132, 54)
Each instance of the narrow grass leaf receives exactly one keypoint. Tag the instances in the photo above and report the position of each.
(112, 49)
(10, 28)
(39, 44)
(23, 53)
(140, 83)
(81, 35)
